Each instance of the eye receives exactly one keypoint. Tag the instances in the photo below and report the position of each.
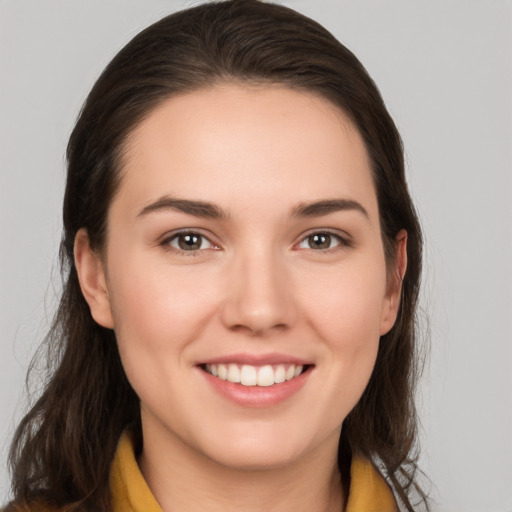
(189, 241)
(321, 241)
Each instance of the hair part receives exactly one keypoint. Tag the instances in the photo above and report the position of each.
(63, 448)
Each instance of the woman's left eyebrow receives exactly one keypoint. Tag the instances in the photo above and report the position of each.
(327, 206)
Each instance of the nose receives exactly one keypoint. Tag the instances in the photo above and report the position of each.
(259, 297)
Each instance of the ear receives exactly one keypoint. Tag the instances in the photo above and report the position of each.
(394, 285)
(93, 282)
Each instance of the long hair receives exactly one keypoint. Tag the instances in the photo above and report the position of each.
(63, 448)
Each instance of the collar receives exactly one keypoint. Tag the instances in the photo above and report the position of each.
(369, 492)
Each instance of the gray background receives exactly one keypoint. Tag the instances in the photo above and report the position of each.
(444, 69)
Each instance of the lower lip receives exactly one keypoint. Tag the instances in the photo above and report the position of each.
(257, 396)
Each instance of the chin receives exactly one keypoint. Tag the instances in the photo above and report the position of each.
(255, 459)
(258, 452)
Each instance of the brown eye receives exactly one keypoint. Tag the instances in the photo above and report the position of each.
(190, 241)
(321, 241)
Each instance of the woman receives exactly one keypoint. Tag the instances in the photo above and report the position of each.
(242, 265)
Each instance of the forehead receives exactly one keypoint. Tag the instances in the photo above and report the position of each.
(256, 144)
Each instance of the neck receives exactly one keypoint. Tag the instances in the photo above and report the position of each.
(184, 480)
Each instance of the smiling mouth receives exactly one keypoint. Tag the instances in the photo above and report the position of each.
(260, 376)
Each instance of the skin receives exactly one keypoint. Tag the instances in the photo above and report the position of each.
(257, 285)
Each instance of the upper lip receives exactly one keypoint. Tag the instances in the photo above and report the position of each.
(256, 359)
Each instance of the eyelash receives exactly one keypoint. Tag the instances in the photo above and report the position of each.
(167, 243)
(342, 243)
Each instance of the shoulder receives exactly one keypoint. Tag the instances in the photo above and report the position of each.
(369, 491)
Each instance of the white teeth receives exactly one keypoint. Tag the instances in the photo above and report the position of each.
(280, 374)
(248, 375)
(222, 371)
(266, 376)
(233, 373)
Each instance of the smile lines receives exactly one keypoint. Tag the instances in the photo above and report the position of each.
(249, 375)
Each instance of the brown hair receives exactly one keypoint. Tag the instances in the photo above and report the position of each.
(63, 448)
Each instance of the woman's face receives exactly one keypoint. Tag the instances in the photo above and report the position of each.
(244, 243)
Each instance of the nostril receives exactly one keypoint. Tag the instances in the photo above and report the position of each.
(254, 329)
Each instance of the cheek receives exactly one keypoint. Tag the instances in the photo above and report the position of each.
(346, 315)
(157, 313)
(157, 316)
(346, 303)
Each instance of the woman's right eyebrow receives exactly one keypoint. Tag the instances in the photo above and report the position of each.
(196, 208)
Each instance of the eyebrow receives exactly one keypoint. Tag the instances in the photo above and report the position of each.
(195, 208)
(325, 207)
(207, 210)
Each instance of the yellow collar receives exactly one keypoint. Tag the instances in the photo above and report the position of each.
(369, 492)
